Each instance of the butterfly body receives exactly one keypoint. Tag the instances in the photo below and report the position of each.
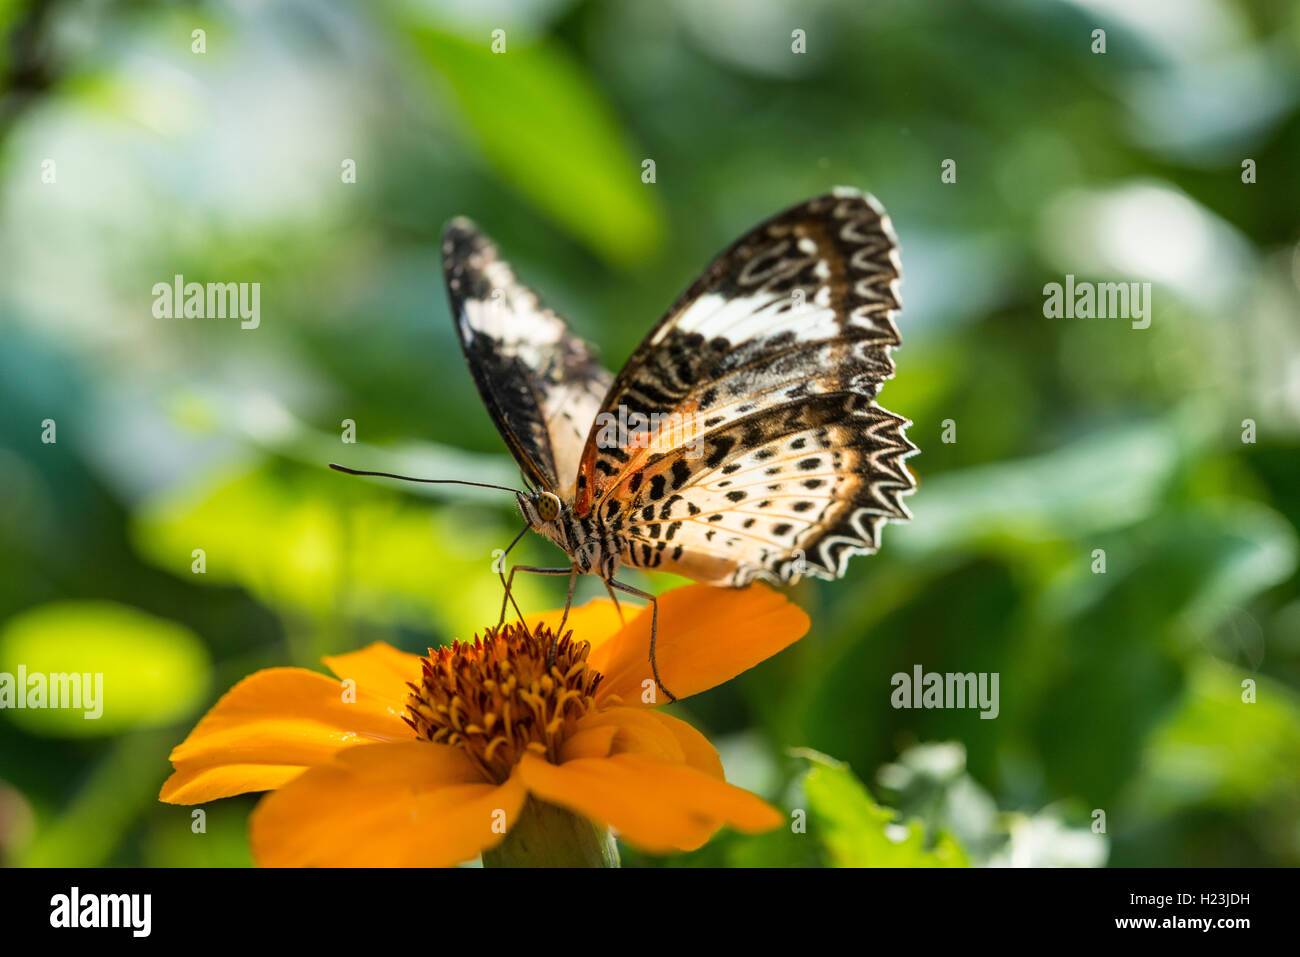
(591, 547)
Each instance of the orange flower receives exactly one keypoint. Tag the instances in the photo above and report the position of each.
(426, 761)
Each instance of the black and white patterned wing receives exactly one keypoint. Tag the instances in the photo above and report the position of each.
(540, 382)
(770, 458)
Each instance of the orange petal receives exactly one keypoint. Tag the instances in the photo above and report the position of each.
(413, 804)
(595, 622)
(655, 805)
(588, 742)
(652, 734)
(270, 727)
(706, 636)
(379, 669)
(634, 731)
(695, 747)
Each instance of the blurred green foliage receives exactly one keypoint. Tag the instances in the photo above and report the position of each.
(856, 832)
(1161, 697)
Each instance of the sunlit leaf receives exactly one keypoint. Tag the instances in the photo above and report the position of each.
(549, 132)
(360, 552)
(135, 670)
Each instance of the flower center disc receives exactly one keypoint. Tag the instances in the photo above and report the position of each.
(500, 695)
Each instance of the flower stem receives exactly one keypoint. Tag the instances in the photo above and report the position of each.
(548, 836)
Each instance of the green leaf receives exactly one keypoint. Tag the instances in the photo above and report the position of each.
(1109, 479)
(544, 125)
(857, 832)
(1218, 749)
(140, 670)
(356, 552)
(1120, 644)
(1253, 548)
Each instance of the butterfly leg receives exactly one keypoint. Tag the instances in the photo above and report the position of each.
(507, 597)
(654, 628)
(617, 607)
(510, 583)
(568, 603)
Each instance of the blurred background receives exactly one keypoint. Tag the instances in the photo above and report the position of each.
(126, 157)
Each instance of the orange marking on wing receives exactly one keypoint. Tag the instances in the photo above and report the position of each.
(674, 431)
(587, 471)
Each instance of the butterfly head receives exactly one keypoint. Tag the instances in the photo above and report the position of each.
(540, 508)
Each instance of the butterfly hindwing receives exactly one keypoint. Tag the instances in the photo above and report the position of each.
(768, 456)
(540, 382)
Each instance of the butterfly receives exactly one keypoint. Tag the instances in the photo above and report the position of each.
(742, 440)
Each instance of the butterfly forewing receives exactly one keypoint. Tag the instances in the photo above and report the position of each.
(540, 382)
(765, 454)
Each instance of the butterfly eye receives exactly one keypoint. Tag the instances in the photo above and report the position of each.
(548, 507)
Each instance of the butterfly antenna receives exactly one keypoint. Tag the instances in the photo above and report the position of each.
(408, 478)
